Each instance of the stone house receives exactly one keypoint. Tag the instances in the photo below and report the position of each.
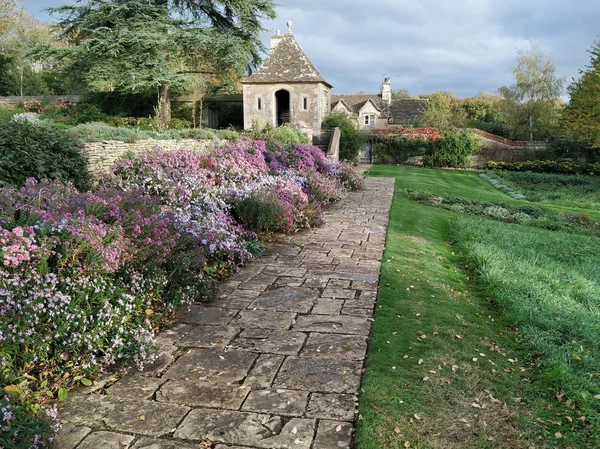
(286, 88)
(379, 110)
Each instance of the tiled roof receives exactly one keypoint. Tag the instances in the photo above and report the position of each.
(406, 111)
(399, 112)
(287, 63)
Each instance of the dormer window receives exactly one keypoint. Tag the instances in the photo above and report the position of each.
(370, 120)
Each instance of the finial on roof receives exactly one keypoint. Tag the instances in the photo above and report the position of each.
(289, 25)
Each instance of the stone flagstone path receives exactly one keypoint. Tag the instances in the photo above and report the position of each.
(274, 362)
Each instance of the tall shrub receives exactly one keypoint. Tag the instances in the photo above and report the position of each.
(451, 150)
(37, 150)
(351, 140)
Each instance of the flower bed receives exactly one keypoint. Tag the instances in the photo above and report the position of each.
(86, 278)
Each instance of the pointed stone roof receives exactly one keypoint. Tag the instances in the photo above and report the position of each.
(287, 63)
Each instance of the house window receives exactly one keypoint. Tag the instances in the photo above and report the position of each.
(259, 104)
(305, 103)
(370, 120)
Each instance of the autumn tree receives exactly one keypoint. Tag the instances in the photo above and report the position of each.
(158, 45)
(532, 103)
(581, 118)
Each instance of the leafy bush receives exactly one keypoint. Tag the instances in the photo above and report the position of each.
(29, 117)
(35, 150)
(19, 429)
(86, 113)
(451, 150)
(350, 177)
(260, 211)
(567, 168)
(179, 123)
(351, 141)
(286, 134)
(390, 149)
(97, 132)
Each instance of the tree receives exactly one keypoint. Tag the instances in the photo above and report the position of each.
(22, 72)
(143, 45)
(581, 117)
(532, 102)
(444, 111)
(400, 94)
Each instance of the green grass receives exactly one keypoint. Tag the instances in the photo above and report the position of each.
(562, 190)
(468, 350)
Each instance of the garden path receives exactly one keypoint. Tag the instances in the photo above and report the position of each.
(274, 362)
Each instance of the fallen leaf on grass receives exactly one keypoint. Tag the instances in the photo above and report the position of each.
(420, 362)
(407, 444)
(558, 435)
(142, 417)
(397, 430)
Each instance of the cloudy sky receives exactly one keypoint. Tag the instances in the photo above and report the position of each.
(462, 46)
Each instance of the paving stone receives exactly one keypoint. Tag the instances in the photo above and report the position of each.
(228, 427)
(170, 336)
(256, 333)
(351, 347)
(286, 299)
(338, 283)
(297, 433)
(203, 394)
(279, 342)
(327, 306)
(288, 282)
(209, 337)
(284, 271)
(244, 295)
(277, 402)
(366, 313)
(142, 417)
(332, 406)
(106, 440)
(319, 375)
(159, 365)
(69, 436)
(264, 371)
(135, 387)
(264, 319)
(211, 364)
(151, 443)
(362, 303)
(316, 282)
(196, 314)
(333, 435)
(282, 249)
(342, 324)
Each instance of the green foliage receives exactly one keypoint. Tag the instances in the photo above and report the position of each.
(23, 427)
(260, 211)
(567, 168)
(580, 118)
(122, 46)
(532, 104)
(451, 150)
(351, 141)
(285, 134)
(36, 150)
(87, 112)
(179, 123)
(558, 189)
(444, 111)
(401, 94)
(396, 149)
(97, 132)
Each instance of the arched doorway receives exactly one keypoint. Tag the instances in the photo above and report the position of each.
(282, 107)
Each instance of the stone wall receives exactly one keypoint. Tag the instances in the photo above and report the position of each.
(102, 155)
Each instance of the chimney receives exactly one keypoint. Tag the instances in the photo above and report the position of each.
(275, 40)
(386, 91)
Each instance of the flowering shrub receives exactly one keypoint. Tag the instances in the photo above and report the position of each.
(428, 134)
(86, 277)
(350, 177)
(494, 137)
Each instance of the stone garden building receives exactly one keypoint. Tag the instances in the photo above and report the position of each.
(286, 88)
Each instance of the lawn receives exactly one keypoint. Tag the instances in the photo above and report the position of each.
(486, 334)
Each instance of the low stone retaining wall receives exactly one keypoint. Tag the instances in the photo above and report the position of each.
(102, 155)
